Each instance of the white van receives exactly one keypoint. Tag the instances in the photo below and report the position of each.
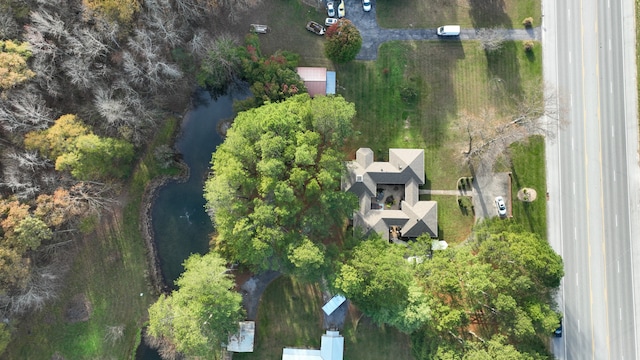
(448, 30)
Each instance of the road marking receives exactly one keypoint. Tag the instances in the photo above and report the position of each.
(614, 176)
(571, 99)
(620, 313)
(574, 188)
(577, 279)
(569, 14)
(616, 220)
(612, 132)
(609, 3)
(575, 233)
(570, 63)
(609, 44)
(611, 87)
(618, 265)
(579, 328)
(573, 147)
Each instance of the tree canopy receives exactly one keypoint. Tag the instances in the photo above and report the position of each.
(276, 182)
(201, 314)
(343, 41)
(87, 156)
(499, 284)
(13, 63)
(381, 282)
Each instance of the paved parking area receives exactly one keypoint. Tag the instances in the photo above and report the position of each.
(486, 188)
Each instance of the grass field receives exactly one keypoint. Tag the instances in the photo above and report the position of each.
(109, 268)
(528, 170)
(290, 315)
(467, 13)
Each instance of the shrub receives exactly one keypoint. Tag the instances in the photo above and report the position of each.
(528, 45)
(343, 42)
(527, 22)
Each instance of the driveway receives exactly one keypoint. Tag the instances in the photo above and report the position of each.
(373, 35)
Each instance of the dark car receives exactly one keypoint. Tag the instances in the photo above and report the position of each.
(558, 332)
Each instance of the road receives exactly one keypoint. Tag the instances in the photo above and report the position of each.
(593, 177)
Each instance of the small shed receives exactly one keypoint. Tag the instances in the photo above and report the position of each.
(333, 304)
(318, 80)
(243, 340)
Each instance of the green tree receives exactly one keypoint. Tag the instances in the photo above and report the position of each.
(201, 314)
(75, 148)
(308, 260)
(499, 284)
(343, 42)
(13, 64)
(30, 233)
(275, 183)
(379, 280)
(221, 65)
(94, 157)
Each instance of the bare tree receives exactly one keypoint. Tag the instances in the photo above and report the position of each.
(28, 160)
(8, 26)
(163, 21)
(49, 24)
(200, 43)
(95, 196)
(42, 286)
(485, 135)
(114, 333)
(82, 72)
(492, 38)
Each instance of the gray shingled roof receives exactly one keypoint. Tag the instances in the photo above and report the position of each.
(405, 167)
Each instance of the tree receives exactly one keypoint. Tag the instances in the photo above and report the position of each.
(221, 65)
(275, 182)
(343, 41)
(114, 10)
(486, 134)
(308, 260)
(94, 157)
(499, 284)
(13, 64)
(379, 280)
(492, 38)
(201, 314)
(86, 155)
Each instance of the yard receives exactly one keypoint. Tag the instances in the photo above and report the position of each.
(290, 315)
(467, 13)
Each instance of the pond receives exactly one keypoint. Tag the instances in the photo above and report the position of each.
(180, 224)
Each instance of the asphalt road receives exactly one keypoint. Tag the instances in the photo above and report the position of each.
(593, 176)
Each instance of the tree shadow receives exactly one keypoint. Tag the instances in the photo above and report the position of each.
(489, 14)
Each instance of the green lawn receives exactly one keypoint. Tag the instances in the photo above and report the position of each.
(290, 315)
(467, 13)
(108, 266)
(528, 170)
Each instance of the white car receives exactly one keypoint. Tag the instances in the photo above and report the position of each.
(331, 10)
(366, 5)
(341, 10)
(502, 207)
(330, 21)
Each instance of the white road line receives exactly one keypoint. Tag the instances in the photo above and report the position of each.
(618, 265)
(614, 176)
(616, 220)
(577, 280)
(612, 132)
(579, 330)
(609, 44)
(574, 188)
(575, 233)
(570, 63)
(611, 87)
(569, 14)
(573, 146)
(620, 313)
(571, 101)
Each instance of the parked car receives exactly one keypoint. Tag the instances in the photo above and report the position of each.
(366, 5)
(315, 28)
(330, 21)
(331, 10)
(502, 207)
(448, 30)
(341, 10)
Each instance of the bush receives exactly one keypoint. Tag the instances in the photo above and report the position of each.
(528, 45)
(527, 22)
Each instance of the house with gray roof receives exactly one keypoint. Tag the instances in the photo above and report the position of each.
(388, 194)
